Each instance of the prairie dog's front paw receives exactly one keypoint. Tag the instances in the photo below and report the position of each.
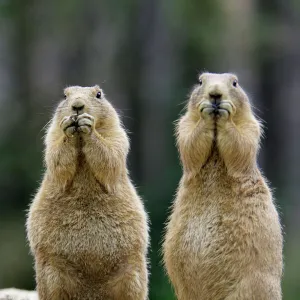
(225, 109)
(85, 123)
(206, 109)
(68, 125)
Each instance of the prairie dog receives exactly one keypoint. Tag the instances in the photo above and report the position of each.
(87, 227)
(223, 238)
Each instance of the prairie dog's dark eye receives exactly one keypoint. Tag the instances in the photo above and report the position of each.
(98, 95)
(200, 81)
(235, 83)
(65, 96)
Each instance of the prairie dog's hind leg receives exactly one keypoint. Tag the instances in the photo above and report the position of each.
(256, 287)
(52, 284)
(46, 292)
(132, 284)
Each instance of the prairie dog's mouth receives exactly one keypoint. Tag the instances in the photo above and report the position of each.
(215, 99)
(74, 118)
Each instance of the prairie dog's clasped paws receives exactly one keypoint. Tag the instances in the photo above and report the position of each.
(85, 123)
(225, 109)
(68, 125)
(77, 123)
(206, 109)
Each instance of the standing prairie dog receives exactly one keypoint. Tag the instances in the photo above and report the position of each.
(223, 239)
(87, 227)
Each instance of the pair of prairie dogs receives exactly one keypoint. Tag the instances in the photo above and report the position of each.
(87, 226)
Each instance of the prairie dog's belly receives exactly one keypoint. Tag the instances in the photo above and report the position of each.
(199, 209)
(199, 254)
(201, 232)
(196, 234)
(199, 247)
(92, 233)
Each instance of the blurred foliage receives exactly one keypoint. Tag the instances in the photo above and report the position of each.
(146, 56)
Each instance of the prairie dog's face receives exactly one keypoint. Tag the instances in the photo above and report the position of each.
(79, 100)
(218, 87)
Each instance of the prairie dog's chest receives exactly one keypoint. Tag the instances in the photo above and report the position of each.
(201, 206)
(212, 177)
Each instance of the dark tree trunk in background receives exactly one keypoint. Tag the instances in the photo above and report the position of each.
(239, 41)
(287, 120)
(156, 77)
(286, 125)
(22, 106)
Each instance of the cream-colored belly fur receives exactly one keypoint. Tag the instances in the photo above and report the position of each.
(213, 240)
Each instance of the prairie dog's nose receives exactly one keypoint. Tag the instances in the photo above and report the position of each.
(78, 106)
(215, 93)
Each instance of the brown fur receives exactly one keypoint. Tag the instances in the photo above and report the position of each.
(87, 226)
(223, 238)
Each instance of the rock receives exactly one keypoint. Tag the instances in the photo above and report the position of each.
(15, 294)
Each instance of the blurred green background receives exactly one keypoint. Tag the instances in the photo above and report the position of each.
(146, 55)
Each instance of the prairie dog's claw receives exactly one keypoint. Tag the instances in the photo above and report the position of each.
(225, 109)
(227, 105)
(206, 109)
(68, 125)
(85, 123)
(70, 131)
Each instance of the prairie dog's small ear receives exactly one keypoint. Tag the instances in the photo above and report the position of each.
(66, 92)
(201, 77)
(97, 87)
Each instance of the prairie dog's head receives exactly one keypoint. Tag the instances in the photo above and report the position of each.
(91, 100)
(217, 87)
